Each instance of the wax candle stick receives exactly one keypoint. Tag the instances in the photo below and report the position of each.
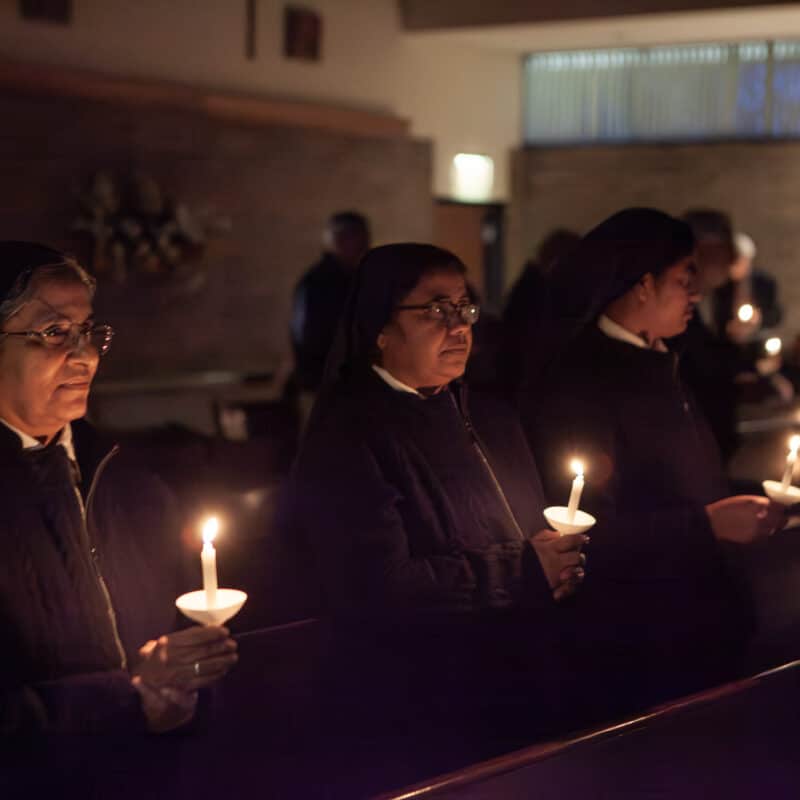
(577, 489)
(791, 460)
(208, 558)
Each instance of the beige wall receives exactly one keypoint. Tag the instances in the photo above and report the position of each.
(577, 187)
(461, 96)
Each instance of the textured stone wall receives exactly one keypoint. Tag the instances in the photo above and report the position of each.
(277, 184)
(758, 183)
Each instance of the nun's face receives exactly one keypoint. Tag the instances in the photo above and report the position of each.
(42, 388)
(672, 300)
(425, 352)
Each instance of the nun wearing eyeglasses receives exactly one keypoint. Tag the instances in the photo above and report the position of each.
(421, 500)
(89, 559)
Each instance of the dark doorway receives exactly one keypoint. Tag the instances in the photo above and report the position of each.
(474, 232)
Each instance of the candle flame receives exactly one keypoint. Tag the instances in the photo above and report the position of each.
(576, 465)
(794, 444)
(746, 312)
(210, 529)
(773, 345)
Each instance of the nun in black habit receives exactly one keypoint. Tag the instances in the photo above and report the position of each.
(659, 599)
(422, 502)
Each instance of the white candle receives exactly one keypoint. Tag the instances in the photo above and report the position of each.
(791, 460)
(577, 489)
(208, 558)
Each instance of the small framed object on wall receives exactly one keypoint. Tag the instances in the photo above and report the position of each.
(302, 33)
(57, 11)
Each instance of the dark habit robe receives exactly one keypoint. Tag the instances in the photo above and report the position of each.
(658, 593)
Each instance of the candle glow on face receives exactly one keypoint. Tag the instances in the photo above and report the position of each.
(745, 313)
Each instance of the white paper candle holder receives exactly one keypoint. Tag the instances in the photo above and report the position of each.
(558, 518)
(195, 606)
(785, 496)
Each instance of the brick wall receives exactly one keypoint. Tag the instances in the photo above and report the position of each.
(758, 183)
(276, 183)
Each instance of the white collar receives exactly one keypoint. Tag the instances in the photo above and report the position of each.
(615, 331)
(29, 443)
(393, 382)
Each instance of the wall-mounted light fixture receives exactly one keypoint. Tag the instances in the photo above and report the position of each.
(472, 177)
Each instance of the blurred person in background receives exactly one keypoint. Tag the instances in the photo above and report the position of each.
(319, 299)
(747, 286)
(710, 362)
(526, 305)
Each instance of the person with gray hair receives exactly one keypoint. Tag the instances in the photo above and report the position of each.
(747, 286)
(89, 552)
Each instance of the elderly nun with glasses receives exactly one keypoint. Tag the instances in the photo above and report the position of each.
(421, 500)
(89, 554)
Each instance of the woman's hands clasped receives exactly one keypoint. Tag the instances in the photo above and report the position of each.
(173, 667)
(561, 559)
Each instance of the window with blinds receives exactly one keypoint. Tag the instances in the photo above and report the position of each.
(749, 89)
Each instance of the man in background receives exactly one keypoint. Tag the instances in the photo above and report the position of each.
(710, 362)
(319, 299)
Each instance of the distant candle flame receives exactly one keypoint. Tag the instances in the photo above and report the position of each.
(210, 529)
(576, 465)
(746, 312)
(773, 346)
(794, 444)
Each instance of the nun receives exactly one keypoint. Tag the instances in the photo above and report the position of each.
(422, 503)
(660, 602)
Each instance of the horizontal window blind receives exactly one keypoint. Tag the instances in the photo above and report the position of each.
(749, 89)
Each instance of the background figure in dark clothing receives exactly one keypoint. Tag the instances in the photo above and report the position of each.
(320, 296)
(746, 285)
(89, 559)
(710, 362)
(660, 605)
(743, 310)
(525, 301)
(424, 508)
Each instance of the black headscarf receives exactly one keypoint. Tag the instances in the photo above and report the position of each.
(606, 263)
(385, 276)
(18, 262)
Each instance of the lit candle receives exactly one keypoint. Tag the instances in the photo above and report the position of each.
(208, 558)
(745, 312)
(577, 488)
(773, 346)
(791, 460)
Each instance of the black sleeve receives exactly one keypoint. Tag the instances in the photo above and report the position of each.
(656, 543)
(94, 703)
(349, 513)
